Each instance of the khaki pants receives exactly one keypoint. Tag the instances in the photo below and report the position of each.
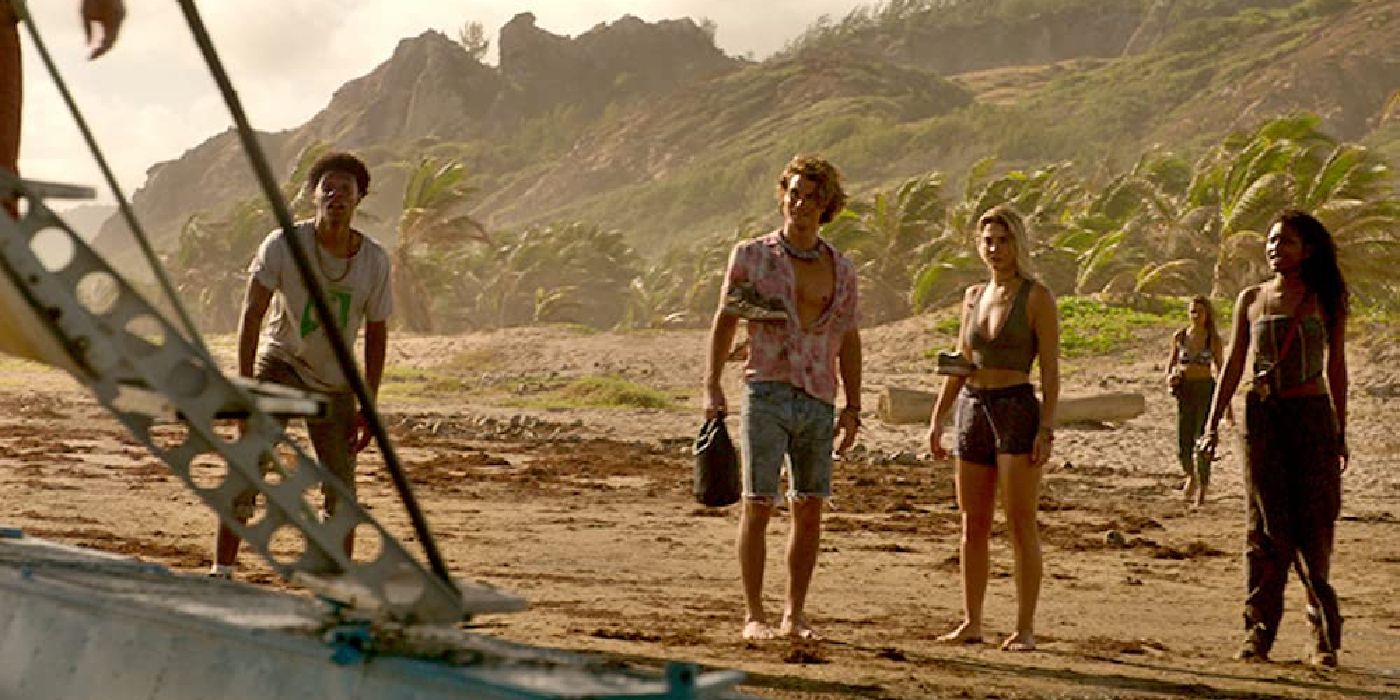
(330, 437)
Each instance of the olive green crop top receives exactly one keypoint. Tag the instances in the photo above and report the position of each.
(1014, 346)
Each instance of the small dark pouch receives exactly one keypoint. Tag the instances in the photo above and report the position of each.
(1177, 382)
(716, 465)
(1266, 384)
(953, 364)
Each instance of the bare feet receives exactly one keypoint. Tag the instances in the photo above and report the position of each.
(797, 627)
(1252, 651)
(966, 633)
(1021, 641)
(1327, 659)
(1188, 489)
(757, 630)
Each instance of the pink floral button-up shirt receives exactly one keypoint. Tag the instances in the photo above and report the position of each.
(785, 351)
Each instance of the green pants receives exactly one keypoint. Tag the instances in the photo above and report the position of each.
(1192, 408)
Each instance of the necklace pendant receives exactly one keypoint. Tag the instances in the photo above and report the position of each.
(807, 255)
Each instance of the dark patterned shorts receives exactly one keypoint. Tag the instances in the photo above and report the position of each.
(996, 421)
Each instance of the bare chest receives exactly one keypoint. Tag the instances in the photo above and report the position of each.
(814, 287)
(992, 310)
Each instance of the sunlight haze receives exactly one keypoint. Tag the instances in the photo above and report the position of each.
(151, 98)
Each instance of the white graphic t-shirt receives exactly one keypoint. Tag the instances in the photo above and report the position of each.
(358, 289)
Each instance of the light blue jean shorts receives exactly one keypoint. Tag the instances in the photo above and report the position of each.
(782, 422)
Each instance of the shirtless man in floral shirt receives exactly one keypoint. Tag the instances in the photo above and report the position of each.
(803, 344)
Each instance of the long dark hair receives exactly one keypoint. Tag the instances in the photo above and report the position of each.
(1212, 333)
(1319, 270)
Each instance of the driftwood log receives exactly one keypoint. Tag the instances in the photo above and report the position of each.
(899, 405)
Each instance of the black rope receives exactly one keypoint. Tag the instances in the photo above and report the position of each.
(258, 160)
(123, 205)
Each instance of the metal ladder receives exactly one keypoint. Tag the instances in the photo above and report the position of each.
(126, 352)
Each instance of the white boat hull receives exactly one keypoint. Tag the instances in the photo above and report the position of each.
(77, 624)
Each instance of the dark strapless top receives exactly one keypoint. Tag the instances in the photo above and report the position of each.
(1304, 360)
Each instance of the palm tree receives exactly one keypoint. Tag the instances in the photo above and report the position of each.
(430, 217)
(704, 269)
(1045, 197)
(561, 272)
(882, 237)
(294, 189)
(1139, 234)
(656, 296)
(1289, 162)
(208, 265)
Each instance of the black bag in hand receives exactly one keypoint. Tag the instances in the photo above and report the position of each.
(716, 465)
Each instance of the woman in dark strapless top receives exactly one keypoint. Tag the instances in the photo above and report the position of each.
(1004, 434)
(1295, 430)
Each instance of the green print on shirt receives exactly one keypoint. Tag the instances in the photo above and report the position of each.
(339, 300)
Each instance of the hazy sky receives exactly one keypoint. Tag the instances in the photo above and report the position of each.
(151, 98)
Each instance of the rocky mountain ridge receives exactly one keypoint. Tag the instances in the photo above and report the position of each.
(650, 127)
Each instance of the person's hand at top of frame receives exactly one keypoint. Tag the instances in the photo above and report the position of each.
(107, 14)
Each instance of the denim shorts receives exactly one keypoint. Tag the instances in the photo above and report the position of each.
(783, 422)
(996, 421)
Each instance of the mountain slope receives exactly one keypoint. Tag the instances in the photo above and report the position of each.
(649, 128)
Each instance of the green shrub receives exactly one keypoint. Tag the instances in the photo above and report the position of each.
(607, 391)
(408, 385)
(1091, 327)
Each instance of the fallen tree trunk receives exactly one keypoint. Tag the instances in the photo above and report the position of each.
(899, 405)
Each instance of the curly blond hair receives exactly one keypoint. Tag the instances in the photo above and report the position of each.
(822, 172)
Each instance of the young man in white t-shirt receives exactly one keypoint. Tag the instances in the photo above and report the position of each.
(354, 272)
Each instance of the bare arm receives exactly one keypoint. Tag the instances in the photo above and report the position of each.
(1175, 355)
(255, 302)
(1234, 364)
(850, 360)
(1217, 355)
(1337, 381)
(951, 384)
(376, 346)
(1046, 322)
(106, 15)
(849, 357)
(722, 331)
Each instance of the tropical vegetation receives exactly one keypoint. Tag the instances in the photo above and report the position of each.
(1166, 226)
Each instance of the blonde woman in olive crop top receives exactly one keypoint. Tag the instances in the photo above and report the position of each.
(1004, 435)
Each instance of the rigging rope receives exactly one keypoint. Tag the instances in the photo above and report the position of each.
(341, 349)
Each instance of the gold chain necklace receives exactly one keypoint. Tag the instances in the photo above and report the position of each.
(321, 264)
